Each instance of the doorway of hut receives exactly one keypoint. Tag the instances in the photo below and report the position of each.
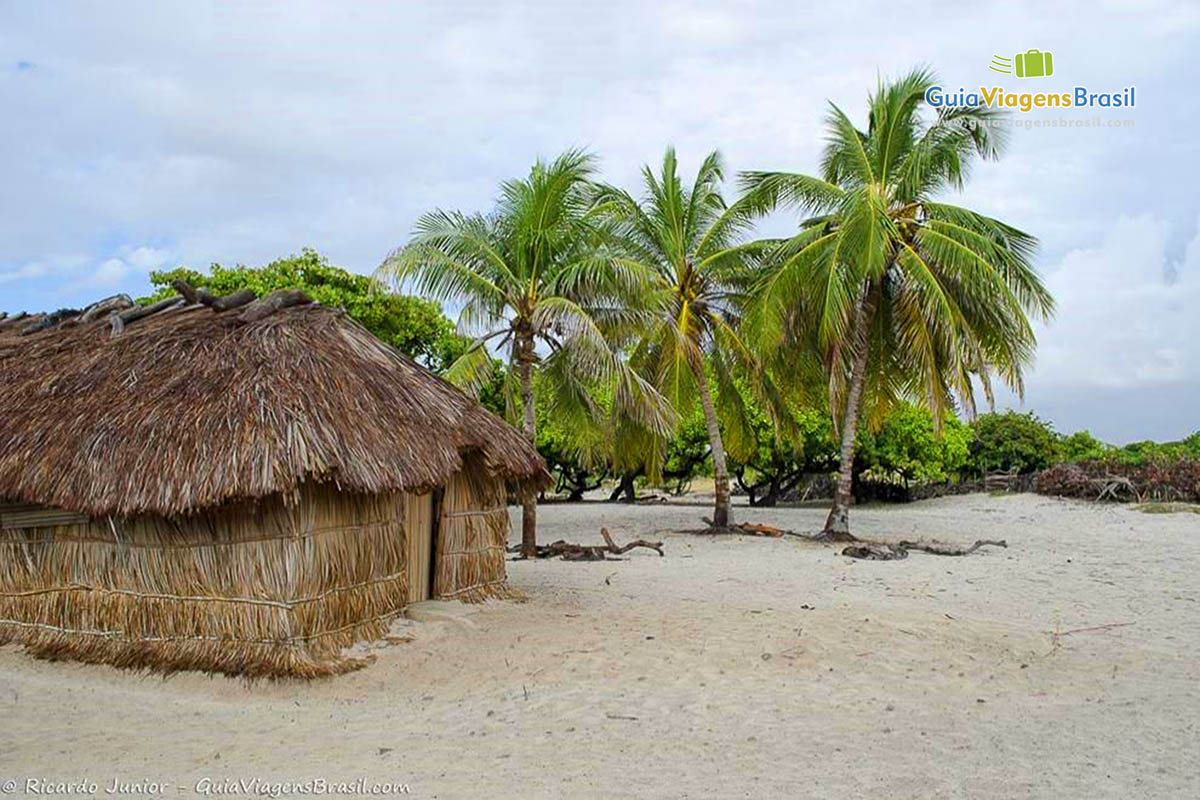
(420, 531)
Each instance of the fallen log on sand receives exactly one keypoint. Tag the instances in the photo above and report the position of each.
(861, 548)
(761, 530)
(752, 528)
(947, 550)
(590, 552)
(883, 551)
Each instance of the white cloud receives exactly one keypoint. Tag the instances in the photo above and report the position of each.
(1126, 313)
(128, 261)
(76, 274)
(43, 267)
(33, 269)
(147, 258)
(110, 273)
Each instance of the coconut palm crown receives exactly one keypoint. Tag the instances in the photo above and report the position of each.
(901, 295)
(684, 246)
(534, 279)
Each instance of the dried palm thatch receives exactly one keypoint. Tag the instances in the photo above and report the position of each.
(234, 491)
(188, 409)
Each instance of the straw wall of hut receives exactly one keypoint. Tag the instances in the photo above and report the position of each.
(471, 537)
(262, 587)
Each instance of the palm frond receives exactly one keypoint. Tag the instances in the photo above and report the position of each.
(473, 370)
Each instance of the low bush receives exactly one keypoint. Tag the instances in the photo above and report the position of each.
(1160, 481)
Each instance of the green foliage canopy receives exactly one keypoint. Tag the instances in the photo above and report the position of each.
(908, 446)
(412, 325)
(1138, 454)
(1081, 446)
(1013, 441)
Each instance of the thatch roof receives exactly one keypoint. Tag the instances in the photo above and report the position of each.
(190, 407)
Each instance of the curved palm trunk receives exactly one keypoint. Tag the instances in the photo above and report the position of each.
(722, 513)
(837, 524)
(529, 428)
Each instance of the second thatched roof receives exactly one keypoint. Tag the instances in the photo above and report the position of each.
(192, 407)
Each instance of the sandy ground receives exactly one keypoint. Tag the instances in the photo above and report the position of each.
(733, 667)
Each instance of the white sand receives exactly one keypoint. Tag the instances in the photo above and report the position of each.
(702, 674)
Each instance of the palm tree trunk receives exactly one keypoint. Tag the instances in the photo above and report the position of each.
(837, 524)
(529, 427)
(722, 513)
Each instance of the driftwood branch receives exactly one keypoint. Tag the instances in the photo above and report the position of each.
(752, 528)
(122, 319)
(204, 297)
(594, 552)
(1110, 485)
(118, 302)
(1094, 628)
(884, 551)
(613, 548)
(947, 550)
(761, 530)
(265, 307)
(233, 300)
(186, 290)
(875, 551)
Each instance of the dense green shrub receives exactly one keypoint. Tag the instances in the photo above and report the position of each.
(779, 461)
(908, 448)
(688, 453)
(573, 475)
(1012, 441)
(1139, 454)
(1081, 446)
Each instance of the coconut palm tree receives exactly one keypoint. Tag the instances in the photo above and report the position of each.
(534, 279)
(901, 295)
(683, 244)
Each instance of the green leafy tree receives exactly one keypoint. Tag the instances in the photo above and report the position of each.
(901, 296)
(1013, 441)
(782, 457)
(681, 245)
(574, 473)
(910, 447)
(689, 452)
(535, 281)
(667, 461)
(1081, 446)
(412, 325)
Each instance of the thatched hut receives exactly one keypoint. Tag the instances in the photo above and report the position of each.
(247, 489)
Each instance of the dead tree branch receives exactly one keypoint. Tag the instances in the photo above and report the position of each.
(947, 550)
(595, 552)
(266, 306)
(884, 551)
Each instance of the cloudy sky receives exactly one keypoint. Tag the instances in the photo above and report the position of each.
(136, 137)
